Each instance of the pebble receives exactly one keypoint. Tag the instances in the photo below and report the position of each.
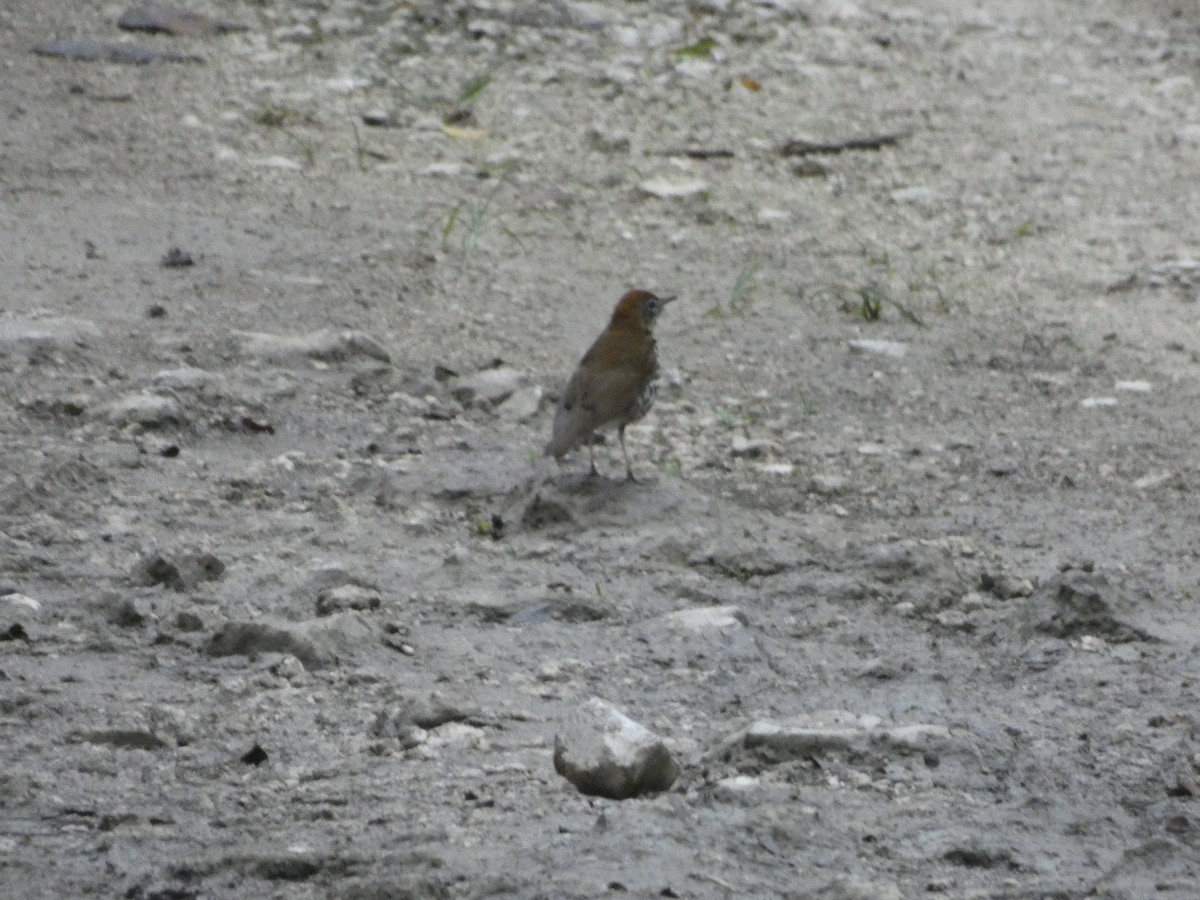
(254, 639)
(523, 405)
(1074, 604)
(749, 448)
(666, 188)
(344, 597)
(146, 410)
(832, 730)
(488, 388)
(828, 485)
(38, 337)
(125, 739)
(604, 753)
(188, 378)
(880, 348)
(317, 643)
(327, 345)
(427, 712)
(706, 617)
(182, 572)
(850, 887)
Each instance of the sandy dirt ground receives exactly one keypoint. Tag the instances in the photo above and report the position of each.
(292, 606)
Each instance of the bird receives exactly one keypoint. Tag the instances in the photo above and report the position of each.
(615, 381)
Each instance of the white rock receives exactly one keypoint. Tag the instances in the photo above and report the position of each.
(704, 617)
(27, 336)
(831, 730)
(187, 378)
(604, 753)
(326, 345)
(151, 410)
(828, 484)
(21, 602)
(489, 387)
(737, 787)
(1096, 402)
(444, 169)
(1188, 134)
(1152, 481)
(667, 188)
(880, 348)
(750, 448)
(917, 194)
(850, 887)
(523, 405)
(278, 162)
(782, 469)
(767, 216)
(1134, 387)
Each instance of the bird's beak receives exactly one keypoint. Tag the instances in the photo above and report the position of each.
(666, 299)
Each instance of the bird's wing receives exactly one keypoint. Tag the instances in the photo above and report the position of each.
(592, 399)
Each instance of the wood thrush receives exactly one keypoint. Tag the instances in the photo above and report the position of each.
(615, 381)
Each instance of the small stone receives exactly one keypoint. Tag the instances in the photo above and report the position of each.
(605, 141)
(1097, 402)
(880, 348)
(1089, 643)
(488, 388)
(832, 730)
(344, 597)
(749, 448)
(954, 619)
(1158, 479)
(782, 469)
(849, 887)
(917, 194)
(444, 169)
(1005, 586)
(125, 739)
(972, 601)
(1134, 387)
(767, 217)
(377, 118)
(604, 753)
(254, 639)
(1074, 604)
(18, 603)
(188, 378)
(828, 485)
(427, 712)
(737, 787)
(326, 345)
(124, 612)
(807, 167)
(146, 410)
(522, 405)
(706, 617)
(665, 188)
(188, 621)
(181, 572)
(176, 258)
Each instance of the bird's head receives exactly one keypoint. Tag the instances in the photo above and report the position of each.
(640, 308)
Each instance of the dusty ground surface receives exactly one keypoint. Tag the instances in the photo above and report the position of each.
(986, 526)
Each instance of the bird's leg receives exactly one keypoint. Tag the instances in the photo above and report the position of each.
(592, 455)
(625, 453)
